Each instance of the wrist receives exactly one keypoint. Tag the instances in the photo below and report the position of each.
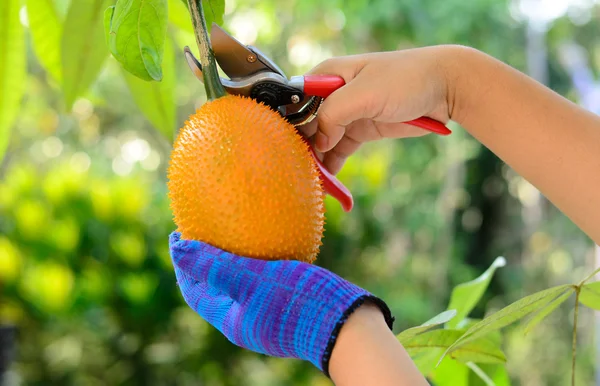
(360, 308)
(461, 66)
(367, 352)
(364, 321)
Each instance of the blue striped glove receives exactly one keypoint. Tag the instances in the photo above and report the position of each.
(283, 308)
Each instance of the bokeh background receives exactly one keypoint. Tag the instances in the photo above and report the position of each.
(85, 273)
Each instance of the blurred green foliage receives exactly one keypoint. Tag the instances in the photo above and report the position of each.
(84, 266)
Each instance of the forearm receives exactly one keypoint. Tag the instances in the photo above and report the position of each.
(368, 353)
(553, 143)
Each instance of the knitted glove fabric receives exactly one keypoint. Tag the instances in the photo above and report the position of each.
(283, 308)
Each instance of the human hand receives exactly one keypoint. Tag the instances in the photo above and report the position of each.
(283, 308)
(382, 91)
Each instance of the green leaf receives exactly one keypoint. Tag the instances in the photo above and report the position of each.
(156, 100)
(137, 36)
(213, 11)
(83, 47)
(483, 350)
(180, 16)
(481, 374)
(466, 295)
(510, 314)
(494, 372)
(467, 323)
(12, 68)
(46, 31)
(437, 320)
(589, 295)
(108, 15)
(425, 360)
(544, 312)
(450, 373)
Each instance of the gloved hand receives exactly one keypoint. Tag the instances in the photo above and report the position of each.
(283, 308)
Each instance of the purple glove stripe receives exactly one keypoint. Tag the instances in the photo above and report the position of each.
(323, 313)
(307, 315)
(303, 276)
(281, 308)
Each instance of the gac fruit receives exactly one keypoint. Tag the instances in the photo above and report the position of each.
(242, 179)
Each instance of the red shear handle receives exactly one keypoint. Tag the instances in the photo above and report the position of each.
(322, 85)
(331, 185)
(325, 85)
(431, 125)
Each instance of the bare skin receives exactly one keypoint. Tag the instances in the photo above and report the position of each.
(367, 353)
(551, 142)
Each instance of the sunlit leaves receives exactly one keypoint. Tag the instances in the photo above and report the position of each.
(180, 16)
(510, 314)
(138, 287)
(136, 36)
(12, 68)
(156, 100)
(83, 47)
(48, 285)
(10, 261)
(466, 295)
(494, 372)
(427, 348)
(46, 31)
(450, 373)
(589, 295)
(547, 310)
(108, 15)
(213, 11)
(437, 320)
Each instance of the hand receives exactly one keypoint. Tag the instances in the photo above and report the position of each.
(382, 91)
(283, 308)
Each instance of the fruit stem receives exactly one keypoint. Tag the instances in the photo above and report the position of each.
(212, 82)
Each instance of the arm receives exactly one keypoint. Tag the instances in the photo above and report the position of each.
(290, 309)
(367, 353)
(550, 141)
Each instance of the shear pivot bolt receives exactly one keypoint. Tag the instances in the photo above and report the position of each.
(251, 58)
(295, 99)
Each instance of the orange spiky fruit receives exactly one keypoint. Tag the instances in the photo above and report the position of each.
(242, 179)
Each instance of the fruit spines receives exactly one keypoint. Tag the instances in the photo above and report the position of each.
(267, 197)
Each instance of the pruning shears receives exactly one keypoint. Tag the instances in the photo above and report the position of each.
(298, 98)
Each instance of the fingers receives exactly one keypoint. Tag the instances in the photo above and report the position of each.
(309, 129)
(346, 105)
(345, 66)
(208, 302)
(225, 273)
(362, 131)
(336, 157)
(194, 258)
(342, 107)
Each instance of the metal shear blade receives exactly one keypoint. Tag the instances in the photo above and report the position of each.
(254, 75)
(237, 60)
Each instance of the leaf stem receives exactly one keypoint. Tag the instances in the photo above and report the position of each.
(574, 348)
(212, 82)
(588, 277)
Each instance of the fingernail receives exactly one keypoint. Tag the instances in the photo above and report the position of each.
(321, 141)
